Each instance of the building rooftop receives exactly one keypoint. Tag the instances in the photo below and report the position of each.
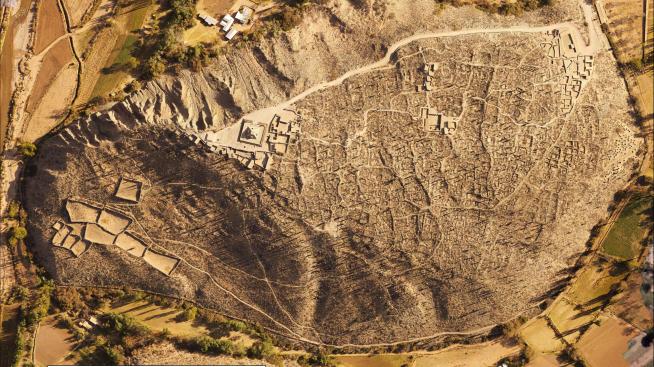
(227, 22)
(231, 34)
(208, 20)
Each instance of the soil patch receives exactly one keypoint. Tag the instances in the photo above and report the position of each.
(50, 25)
(52, 343)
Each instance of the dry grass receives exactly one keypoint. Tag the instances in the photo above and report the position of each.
(52, 106)
(56, 58)
(540, 337)
(630, 306)
(591, 285)
(50, 25)
(159, 318)
(568, 320)
(603, 345)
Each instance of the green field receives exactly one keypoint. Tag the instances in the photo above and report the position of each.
(623, 241)
(133, 20)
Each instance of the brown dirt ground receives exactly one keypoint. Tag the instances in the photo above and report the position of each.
(77, 9)
(52, 343)
(50, 25)
(52, 106)
(630, 306)
(215, 8)
(56, 58)
(603, 346)
(6, 65)
(543, 360)
(8, 325)
(6, 70)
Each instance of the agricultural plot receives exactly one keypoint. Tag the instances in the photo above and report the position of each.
(604, 345)
(623, 241)
(8, 326)
(540, 337)
(380, 360)
(158, 318)
(52, 343)
(632, 305)
(129, 20)
(50, 25)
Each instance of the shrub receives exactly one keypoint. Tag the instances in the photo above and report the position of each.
(69, 299)
(124, 324)
(261, 349)
(14, 209)
(189, 314)
(19, 232)
(207, 344)
(26, 149)
(155, 66)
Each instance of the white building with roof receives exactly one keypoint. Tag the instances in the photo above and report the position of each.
(208, 20)
(244, 14)
(227, 22)
(232, 32)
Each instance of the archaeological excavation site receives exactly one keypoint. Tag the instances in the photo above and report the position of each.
(440, 181)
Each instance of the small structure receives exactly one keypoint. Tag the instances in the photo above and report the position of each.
(113, 222)
(208, 20)
(251, 132)
(131, 244)
(437, 122)
(94, 321)
(79, 212)
(232, 32)
(129, 190)
(95, 234)
(244, 14)
(164, 263)
(226, 22)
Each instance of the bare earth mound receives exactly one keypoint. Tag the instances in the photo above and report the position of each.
(445, 191)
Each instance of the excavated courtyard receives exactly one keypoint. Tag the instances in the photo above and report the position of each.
(445, 190)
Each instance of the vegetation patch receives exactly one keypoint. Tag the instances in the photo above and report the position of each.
(623, 241)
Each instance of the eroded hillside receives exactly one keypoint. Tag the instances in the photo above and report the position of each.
(447, 190)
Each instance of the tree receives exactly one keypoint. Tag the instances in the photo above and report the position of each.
(155, 66)
(26, 149)
(14, 209)
(189, 314)
(19, 232)
(69, 299)
(261, 349)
